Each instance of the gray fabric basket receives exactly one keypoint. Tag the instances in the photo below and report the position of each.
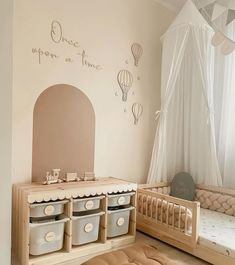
(119, 199)
(46, 236)
(85, 228)
(86, 204)
(47, 209)
(118, 222)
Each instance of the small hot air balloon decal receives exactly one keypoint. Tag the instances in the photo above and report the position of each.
(137, 110)
(125, 80)
(137, 52)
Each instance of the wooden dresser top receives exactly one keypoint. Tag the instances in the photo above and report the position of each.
(37, 192)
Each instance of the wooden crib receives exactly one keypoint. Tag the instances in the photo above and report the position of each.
(176, 221)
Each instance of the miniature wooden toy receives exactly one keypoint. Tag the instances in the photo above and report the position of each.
(69, 177)
(89, 176)
(56, 172)
(52, 178)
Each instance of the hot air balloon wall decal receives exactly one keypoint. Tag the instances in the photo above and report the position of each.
(137, 52)
(125, 80)
(137, 110)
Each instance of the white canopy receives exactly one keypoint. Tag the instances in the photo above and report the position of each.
(185, 136)
(188, 15)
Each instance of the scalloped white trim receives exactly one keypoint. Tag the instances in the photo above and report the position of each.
(59, 194)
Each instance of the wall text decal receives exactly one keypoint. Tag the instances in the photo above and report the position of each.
(39, 53)
(57, 36)
(85, 62)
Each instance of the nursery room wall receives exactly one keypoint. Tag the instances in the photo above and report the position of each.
(99, 35)
(6, 31)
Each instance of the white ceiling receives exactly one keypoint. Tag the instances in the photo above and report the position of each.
(174, 5)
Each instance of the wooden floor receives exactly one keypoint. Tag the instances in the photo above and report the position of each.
(173, 253)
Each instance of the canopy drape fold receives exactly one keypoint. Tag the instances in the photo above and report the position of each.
(176, 48)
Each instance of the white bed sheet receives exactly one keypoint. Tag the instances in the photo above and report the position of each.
(217, 232)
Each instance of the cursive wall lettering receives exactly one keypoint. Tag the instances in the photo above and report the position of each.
(39, 53)
(85, 62)
(56, 31)
(57, 36)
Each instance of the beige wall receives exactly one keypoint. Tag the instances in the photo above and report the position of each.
(6, 18)
(105, 29)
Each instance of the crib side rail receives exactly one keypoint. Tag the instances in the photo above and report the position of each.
(169, 215)
(220, 190)
(156, 185)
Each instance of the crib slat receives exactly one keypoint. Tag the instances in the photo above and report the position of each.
(173, 216)
(151, 208)
(142, 203)
(147, 206)
(156, 216)
(179, 223)
(186, 220)
(167, 214)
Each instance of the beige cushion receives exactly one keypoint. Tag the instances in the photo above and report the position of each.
(135, 255)
(215, 201)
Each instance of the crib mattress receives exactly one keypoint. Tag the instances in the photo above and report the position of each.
(217, 232)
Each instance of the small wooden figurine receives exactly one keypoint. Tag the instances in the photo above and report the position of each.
(70, 177)
(52, 178)
(89, 176)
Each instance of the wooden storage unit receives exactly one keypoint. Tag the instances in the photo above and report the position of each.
(26, 194)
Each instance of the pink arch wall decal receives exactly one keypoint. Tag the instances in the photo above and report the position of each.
(63, 132)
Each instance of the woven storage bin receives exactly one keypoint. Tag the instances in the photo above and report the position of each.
(119, 199)
(118, 222)
(86, 204)
(46, 236)
(38, 210)
(85, 228)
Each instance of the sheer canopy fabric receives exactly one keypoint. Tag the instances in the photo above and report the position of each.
(224, 96)
(185, 136)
